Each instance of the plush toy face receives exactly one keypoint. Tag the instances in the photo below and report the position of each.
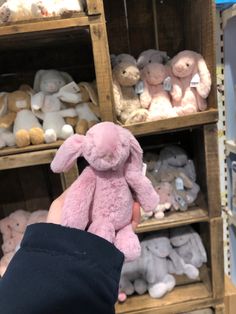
(159, 246)
(151, 161)
(126, 74)
(18, 100)
(154, 73)
(106, 146)
(51, 82)
(184, 64)
(174, 156)
(179, 236)
(150, 56)
(18, 220)
(164, 189)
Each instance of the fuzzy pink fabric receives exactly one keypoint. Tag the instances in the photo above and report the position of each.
(154, 96)
(184, 66)
(100, 200)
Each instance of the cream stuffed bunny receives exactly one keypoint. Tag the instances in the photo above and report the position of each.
(26, 127)
(191, 69)
(127, 104)
(47, 103)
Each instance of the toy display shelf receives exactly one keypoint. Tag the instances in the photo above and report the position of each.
(160, 126)
(174, 219)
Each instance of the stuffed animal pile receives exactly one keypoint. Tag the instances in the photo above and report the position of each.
(173, 175)
(12, 229)
(179, 251)
(20, 10)
(52, 110)
(153, 88)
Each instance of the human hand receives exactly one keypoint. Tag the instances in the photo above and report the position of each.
(55, 210)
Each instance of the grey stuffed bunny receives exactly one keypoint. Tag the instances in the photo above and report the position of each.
(188, 245)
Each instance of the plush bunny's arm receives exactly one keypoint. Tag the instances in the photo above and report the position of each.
(68, 113)
(204, 87)
(142, 187)
(145, 97)
(177, 89)
(73, 98)
(117, 93)
(37, 101)
(7, 120)
(76, 209)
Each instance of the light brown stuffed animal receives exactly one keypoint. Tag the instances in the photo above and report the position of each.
(26, 127)
(87, 109)
(127, 104)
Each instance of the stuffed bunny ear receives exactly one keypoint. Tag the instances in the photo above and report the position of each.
(204, 86)
(37, 80)
(67, 77)
(136, 155)
(66, 155)
(196, 242)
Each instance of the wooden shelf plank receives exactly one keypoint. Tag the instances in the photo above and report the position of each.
(187, 296)
(7, 151)
(199, 118)
(77, 20)
(174, 219)
(27, 159)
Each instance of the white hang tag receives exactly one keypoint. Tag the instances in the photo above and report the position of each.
(144, 169)
(179, 184)
(167, 84)
(139, 87)
(21, 104)
(72, 87)
(195, 80)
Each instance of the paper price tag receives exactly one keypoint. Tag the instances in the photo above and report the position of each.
(72, 87)
(167, 84)
(195, 80)
(179, 184)
(139, 87)
(144, 169)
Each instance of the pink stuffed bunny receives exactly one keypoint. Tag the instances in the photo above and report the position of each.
(195, 78)
(100, 200)
(154, 96)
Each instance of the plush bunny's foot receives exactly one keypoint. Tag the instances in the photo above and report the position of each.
(122, 297)
(103, 229)
(9, 139)
(2, 143)
(191, 271)
(36, 136)
(50, 136)
(128, 243)
(22, 138)
(157, 290)
(66, 131)
(140, 286)
(82, 127)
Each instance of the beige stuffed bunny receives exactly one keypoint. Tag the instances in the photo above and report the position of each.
(127, 104)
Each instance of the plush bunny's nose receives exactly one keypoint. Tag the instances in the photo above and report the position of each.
(106, 142)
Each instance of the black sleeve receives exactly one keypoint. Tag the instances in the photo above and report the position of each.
(61, 270)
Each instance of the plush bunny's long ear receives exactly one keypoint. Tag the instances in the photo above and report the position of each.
(204, 86)
(196, 242)
(135, 162)
(37, 80)
(66, 77)
(66, 155)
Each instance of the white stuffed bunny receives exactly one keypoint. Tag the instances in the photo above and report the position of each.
(47, 103)
(188, 245)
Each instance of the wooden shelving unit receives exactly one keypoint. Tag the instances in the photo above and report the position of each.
(186, 25)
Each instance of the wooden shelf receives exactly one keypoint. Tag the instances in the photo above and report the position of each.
(181, 299)
(27, 159)
(174, 219)
(7, 151)
(160, 126)
(77, 20)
